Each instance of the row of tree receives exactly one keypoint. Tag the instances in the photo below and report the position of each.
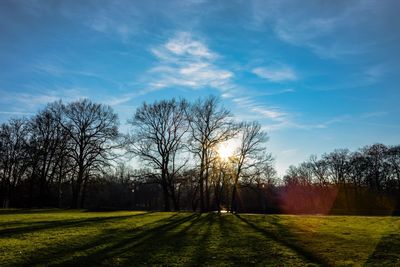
(364, 180)
(68, 150)
(62, 144)
(180, 144)
(187, 155)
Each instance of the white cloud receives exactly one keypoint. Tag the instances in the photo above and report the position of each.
(276, 75)
(124, 98)
(188, 62)
(15, 113)
(270, 113)
(183, 44)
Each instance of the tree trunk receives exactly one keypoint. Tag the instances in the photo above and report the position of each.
(83, 194)
(77, 189)
(165, 190)
(207, 200)
(174, 199)
(74, 201)
(201, 182)
(234, 191)
(59, 198)
(233, 200)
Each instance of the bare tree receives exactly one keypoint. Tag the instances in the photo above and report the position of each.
(92, 129)
(358, 167)
(210, 125)
(394, 159)
(13, 157)
(260, 177)
(337, 162)
(250, 153)
(393, 155)
(319, 169)
(220, 176)
(158, 139)
(47, 145)
(378, 168)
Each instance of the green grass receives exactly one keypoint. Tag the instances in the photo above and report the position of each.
(79, 238)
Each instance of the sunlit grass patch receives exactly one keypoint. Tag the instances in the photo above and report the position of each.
(72, 238)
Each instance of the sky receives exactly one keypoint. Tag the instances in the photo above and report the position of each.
(318, 75)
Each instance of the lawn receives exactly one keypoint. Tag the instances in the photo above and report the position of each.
(81, 238)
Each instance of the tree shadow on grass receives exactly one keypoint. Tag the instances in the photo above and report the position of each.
(283, 236)
(64, 253)
(241, 246)
(170, 239)
(51, 224)
(202, 230)
(152, 243)
(30, 211)
(387, 252)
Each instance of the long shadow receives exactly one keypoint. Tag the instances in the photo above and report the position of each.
(290, 242)
(242, 247)
(47, 225)
(30, 211)
(58, 256)
(202, 243)
(387, 252)
(175, 244)
(136, 245)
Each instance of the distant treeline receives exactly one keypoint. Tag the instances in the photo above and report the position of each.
(365, 181)
(186, 155)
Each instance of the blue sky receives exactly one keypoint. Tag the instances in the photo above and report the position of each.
(318, 75)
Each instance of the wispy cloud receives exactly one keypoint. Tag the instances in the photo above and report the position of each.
(183, 44)
(374, 114)
(374, 73)
(274, 114)
(15, 113)
(127, 19)
(124, 98)
(56, 67)
(275, 118)
(30, 102)
(188, 62)
(276, 74)
(49, 68)
(329, 30)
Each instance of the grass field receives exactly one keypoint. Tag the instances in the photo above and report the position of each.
(80, 238)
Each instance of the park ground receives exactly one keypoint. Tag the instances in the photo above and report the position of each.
(133, 238)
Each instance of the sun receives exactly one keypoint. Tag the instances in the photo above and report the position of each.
(225, 150)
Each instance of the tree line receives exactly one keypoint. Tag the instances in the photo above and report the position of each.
(66, 151)
(366, 180)
(62, 144)
(186, 155)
